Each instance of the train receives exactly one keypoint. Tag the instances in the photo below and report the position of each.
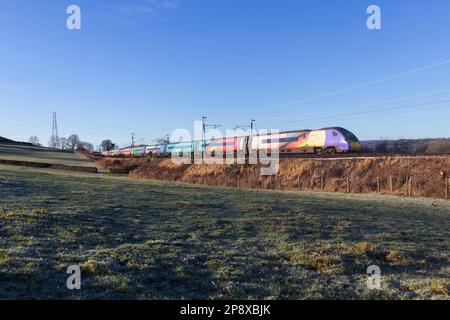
(325, 140)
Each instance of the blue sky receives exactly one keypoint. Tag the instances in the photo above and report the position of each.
(152, 66)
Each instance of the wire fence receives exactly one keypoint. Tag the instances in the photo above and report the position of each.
(401, 186)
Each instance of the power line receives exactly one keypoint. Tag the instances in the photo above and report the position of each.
(400, 112)
(55, 127)
(252, 121)
(386, 102)
(365, 112)
(358, 86)
(351, 112)
(55, 137)
(204, 127)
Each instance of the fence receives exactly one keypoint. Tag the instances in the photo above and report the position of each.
(406, 186)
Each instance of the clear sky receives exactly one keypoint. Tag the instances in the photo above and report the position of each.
(152, 66)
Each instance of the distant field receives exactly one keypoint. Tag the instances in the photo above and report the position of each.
(42, 155)
(154, 240)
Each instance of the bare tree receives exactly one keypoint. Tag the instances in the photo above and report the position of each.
(34, 140)
(64, 144)
(53, 142)
(85, 146)
(403, 146)
(73, 141)
(438, 146)
(381, 146)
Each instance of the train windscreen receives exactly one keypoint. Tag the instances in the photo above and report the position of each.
(348, 135)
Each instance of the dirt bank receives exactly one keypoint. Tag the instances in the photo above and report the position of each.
(389, 175)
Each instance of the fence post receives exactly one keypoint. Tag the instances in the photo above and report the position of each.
(298, 181)
(410, 186)
(378, 184)
(322, 184)
(406, 187)
(250, 182)
(239, 181)
(348, 185)
(391, 184)
(446, 187)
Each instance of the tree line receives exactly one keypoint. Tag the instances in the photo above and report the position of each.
(426, 146)
(73, 142)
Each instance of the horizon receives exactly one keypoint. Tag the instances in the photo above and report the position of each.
(152, 66)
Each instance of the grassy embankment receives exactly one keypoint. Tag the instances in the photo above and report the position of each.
(11, 152)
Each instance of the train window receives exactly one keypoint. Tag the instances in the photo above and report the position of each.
(349, 136)
(223, 144)
(335, 134)
(281, 140)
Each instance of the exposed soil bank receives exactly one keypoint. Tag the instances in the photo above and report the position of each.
(388, 175)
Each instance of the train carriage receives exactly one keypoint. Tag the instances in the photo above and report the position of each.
(282, 141)
(138, 151)
(333, 139)
(201, 146)
(313, 141)
(227, 145)
(181, 147)
(154, 150)
(126, 152)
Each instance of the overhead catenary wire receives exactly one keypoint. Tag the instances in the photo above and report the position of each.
(401, 112)
(358, 86)
(398, 112)
(364, 112)
(386, 102)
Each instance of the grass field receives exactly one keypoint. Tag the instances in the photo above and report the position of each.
(43, 155)
(155, 240)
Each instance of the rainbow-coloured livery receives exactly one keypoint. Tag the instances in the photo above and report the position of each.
(330, 140)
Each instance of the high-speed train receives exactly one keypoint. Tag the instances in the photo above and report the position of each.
(326, 140)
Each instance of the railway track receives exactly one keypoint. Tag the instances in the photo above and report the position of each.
(327, 156)
(356, 155)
